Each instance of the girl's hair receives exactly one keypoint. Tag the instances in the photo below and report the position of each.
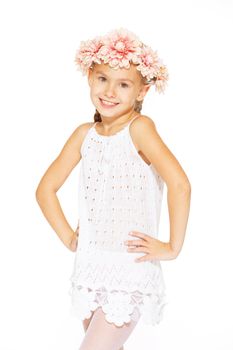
(138, 104)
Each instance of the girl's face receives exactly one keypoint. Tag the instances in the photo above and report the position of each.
(114, 91)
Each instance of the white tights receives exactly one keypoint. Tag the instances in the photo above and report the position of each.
(102, 335)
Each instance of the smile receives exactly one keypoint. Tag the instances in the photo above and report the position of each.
(107, 104)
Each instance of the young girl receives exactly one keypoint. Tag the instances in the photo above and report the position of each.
(117, 277)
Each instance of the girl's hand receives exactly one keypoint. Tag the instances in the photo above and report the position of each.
(74, 241)
(154, 248)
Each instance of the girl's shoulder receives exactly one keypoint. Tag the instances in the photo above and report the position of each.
(78, 135)
(141, 126)
(143, 119)
(83, 128)
(86, 126)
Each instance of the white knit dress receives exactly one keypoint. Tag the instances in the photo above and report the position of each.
(118, 193)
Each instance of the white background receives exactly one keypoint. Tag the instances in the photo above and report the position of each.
(44, 98)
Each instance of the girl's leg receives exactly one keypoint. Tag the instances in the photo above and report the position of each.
(86, 323)
(102, 335)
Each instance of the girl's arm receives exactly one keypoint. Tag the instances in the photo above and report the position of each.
(149, 142)
(53, 179)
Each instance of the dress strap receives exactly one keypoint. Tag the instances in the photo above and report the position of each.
(93, 126)
(136, 116)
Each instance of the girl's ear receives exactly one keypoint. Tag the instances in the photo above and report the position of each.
(143, 92)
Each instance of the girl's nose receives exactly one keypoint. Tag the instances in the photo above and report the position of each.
(109, 95)
(110, 92)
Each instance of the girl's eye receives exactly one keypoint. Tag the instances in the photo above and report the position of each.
(101, 78)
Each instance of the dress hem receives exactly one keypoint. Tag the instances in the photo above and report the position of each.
(120, 307)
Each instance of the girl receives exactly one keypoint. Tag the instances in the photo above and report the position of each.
(117, 277)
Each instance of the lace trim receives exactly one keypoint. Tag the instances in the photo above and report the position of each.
(117, 271)
(119, 306)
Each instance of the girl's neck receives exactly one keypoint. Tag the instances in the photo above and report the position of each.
(108, 123)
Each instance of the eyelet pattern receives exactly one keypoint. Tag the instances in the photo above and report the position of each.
(117, 193)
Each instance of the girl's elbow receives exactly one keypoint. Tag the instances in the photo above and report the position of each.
(181, 187)
(184, 186)
(39, 193)
(39, 190)
(187, 186)
(42, 191)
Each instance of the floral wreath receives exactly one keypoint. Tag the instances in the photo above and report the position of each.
(118, 48)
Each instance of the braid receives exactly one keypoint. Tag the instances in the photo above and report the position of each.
(138, 106)
(97, 117)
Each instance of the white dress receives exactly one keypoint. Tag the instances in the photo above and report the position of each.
(118, 192)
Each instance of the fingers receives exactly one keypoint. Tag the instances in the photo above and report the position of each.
(137, 242)
(138, 249)
(141, 235)
(74, 243)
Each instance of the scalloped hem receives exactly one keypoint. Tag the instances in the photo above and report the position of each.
(135, 316)
(120, 307)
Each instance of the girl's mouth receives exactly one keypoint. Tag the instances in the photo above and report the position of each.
(107, 104)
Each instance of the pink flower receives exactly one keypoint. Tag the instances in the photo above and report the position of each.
(119, 48)
(151, 66)
(162, 78)
(149, 62)
(87, 53)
